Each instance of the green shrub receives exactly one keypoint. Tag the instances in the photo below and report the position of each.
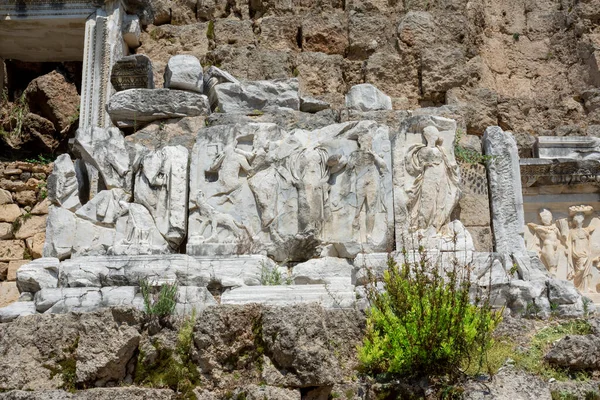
(161, 304)
(423, 322)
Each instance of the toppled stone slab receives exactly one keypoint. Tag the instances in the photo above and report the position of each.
(102, 271)
(254, 96)
(184, 72)
(136, 107)
(333, 296)
(366, 97)
(15, 310)
(212, 77)
(88, 299)
(132, 72)
(327, 270)
(38, 274)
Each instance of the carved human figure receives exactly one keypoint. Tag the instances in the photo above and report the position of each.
(550, 238)
(435, 191)
(311, 173)
(229, 164)
(580, 249)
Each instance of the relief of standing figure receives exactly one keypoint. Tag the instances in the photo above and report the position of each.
(580, 248)
(435, 191)
(550, 237)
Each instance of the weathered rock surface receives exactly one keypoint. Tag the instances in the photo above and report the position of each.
(136, 107)
(184, 72)
(38, 274)
(576, 352)
(509, 384)
(121, 393)
(366, 97)
(257, 96)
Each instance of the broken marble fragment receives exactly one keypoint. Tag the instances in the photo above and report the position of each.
(184, 72)
(62, 184)
(366, 97)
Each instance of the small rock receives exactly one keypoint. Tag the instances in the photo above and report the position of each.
(11, 250)
(576, 352)
(41, 208)
(13, 266)
(35, 244)
(9, 212)
(8, 293)
(6, 230)
(30, 226)
(184, 72)
(366, 97)
(26, 198)
(5, 197)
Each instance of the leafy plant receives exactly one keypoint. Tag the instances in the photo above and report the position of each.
(272, 276)
(14, 116)
(161, 304)
(173, 368)
(422, 322)
(40, 159)
(516, 36)
(467, 156)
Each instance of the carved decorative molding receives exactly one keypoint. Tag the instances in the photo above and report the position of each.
(539, 172)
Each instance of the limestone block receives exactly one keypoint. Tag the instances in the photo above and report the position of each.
(13, 266)
(185, 270)
(136, 107)
(132, 72)
(161, 186)
(41, 208)
(6, 230)
(191, 298)
(5, 197)
(327, 270)
(184, 72)
(229, 31)
(136, 233)
(8, 293)
(562, 292)
(328, 296)
(3, 271)
(30, 226)
(60, 233)
(506, 196)
(258, 95)
(17, 309)
(38, 274)
(35, 244)
(9, 212)
(312, 105)
(279, 33)
(325, 32)
(254, 187)
(11, 250)
(366, 97)
(26, 198)
(107, 151)
(62, 300)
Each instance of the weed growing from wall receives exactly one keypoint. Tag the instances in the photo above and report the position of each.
(161, 304)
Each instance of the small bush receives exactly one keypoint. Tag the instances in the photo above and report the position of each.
(423, 322)
(272, 276)
(161, 304)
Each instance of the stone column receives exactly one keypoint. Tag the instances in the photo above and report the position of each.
(104, 45)
(504, 180)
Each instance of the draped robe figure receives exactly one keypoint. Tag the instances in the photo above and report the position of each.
(435, 191)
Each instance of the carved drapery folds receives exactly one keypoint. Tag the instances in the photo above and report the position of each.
(568, 246)
(427, 186)
(256, 188)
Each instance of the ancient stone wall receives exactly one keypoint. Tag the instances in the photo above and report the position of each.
(23, 211)
(528, 66)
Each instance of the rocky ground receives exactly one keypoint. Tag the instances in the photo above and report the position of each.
(257, 352)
